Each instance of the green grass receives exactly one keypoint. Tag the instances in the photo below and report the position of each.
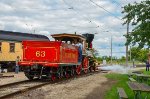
(145, 72)
(121, 82)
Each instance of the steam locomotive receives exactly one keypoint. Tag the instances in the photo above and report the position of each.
(59, 58)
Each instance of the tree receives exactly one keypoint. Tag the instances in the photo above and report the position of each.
(99, 59)
(139, 54)
(123, 59)
(139, 15)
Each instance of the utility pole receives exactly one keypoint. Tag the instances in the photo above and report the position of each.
(130, 53)
(111, 49)
(127, 45)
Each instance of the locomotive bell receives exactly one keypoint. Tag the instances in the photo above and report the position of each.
(89, 38)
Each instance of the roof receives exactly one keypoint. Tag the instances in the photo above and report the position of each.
(67, 35)
(19, 36)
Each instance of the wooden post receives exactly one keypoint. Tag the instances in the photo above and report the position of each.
(149, 57)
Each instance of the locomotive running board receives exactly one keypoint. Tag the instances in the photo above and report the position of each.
(48, 63)
(68, 64)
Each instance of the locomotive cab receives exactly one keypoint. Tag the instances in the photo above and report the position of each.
(88, 61)
(72, 39)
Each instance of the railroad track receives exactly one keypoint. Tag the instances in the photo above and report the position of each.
(7, 76)
(12, 89)
(14, 83)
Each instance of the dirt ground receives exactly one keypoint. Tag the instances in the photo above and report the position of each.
(88, 87)
(17, 77)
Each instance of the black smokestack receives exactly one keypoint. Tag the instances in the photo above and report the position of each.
(89, 38)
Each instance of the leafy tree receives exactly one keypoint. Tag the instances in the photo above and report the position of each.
(122, 58)
(107, 58)
(143, 55)
(99, 59)
(134, 53)
(139, 15)
(139, 54)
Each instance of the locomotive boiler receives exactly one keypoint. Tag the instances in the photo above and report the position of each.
(57, 59)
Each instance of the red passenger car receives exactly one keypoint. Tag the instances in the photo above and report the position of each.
(54, 59)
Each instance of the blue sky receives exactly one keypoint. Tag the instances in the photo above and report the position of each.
(100, 17)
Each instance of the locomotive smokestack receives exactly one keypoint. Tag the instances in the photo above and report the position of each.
(89, 38)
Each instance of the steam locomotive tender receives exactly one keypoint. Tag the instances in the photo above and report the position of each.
(57, 59)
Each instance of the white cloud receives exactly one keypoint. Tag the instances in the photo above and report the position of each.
(56, 16)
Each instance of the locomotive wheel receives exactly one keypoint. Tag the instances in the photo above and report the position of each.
(53, 74)
(59, 75)
(72, 71)
(78, 69)
(85, 64)
(94, 68)
(91, 68)
(53, 77)
(67, 73)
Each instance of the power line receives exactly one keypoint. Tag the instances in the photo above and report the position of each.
(72, 8)
(90, 21)
(101, 25)
(104, 9)
(104, 0)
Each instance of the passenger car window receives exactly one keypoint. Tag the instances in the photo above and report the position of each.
(12, 47)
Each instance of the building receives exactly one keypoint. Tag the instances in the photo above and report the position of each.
(11, 47)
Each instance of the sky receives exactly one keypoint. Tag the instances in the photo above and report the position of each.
(100, 17)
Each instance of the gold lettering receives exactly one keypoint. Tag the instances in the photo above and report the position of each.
(40, 53)
(37, 53)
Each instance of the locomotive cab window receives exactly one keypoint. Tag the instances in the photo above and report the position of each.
(0, 46)
(12, 47)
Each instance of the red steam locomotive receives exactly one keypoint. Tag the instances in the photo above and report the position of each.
(57, 59)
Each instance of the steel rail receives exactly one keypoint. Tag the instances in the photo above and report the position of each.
(6, 76)
(14, 83)
(23, 90)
